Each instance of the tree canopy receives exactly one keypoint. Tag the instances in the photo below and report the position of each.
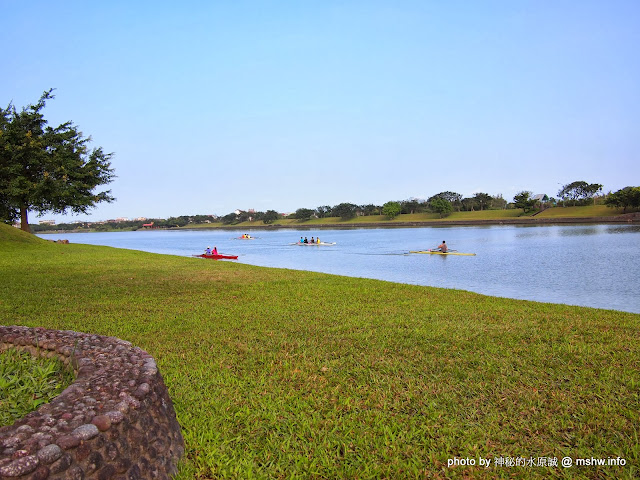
(345, 211)
(47, 169)
(579, 190)
(270, 216)
(304, 213)
(455, 199)
(391, 209)
(523, 200)
(627, 197)
(323, 211)
(412, 205)
(483, 200)
(441, 206)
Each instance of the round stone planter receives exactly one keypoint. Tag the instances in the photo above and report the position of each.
(115, 421)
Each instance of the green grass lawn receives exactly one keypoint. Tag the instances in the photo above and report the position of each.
(286, 374)
(556, 212)
(586, 211)
(27, 382)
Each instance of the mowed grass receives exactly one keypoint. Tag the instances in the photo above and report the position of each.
(284, 374)
(587, 211)
(376, 219)
(584, 211)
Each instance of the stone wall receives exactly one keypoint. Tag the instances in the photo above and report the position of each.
(116, 421)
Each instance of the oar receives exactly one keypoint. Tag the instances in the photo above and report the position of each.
(438, 250)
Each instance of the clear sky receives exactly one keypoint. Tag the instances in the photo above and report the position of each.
(212, 106)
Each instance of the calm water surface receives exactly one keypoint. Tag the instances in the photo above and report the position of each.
(589, 265)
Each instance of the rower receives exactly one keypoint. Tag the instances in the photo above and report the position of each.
(443, 247)
(207, 251)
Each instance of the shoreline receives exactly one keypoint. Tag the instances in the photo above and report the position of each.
(622, 219)
(627, 218)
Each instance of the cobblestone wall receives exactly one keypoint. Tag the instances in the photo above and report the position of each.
(116, 421)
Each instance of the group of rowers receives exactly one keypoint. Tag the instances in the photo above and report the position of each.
(305, 240)
(442, 247)
(246, 235)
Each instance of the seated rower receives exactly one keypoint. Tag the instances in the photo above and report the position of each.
(214, 251)
(443, 247)
(207, 251)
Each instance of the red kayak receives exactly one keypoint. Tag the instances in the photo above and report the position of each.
(218, 256)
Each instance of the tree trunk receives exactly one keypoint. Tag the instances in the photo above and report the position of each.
(24, 220)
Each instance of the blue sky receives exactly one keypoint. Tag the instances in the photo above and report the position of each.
(211, 106)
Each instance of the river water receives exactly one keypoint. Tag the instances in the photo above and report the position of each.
(588, 265)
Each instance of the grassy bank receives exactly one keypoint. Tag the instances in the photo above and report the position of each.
(595, 212)
(285, 374)
(586, 211)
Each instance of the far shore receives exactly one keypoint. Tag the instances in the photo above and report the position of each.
(627, 218)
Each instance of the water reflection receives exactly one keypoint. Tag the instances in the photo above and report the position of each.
(591, 230)
(623, 229)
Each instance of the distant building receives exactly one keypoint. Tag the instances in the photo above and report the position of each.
(122, 219)
(539, 197)
(47, 222)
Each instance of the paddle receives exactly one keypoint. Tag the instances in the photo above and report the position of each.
(436, 249)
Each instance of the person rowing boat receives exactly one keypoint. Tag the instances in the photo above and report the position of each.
(315, 243)
(438, 252)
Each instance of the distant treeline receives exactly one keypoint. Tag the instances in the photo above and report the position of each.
(171, 222)
(573, 194)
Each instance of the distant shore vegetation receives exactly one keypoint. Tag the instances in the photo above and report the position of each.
(444, 205)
